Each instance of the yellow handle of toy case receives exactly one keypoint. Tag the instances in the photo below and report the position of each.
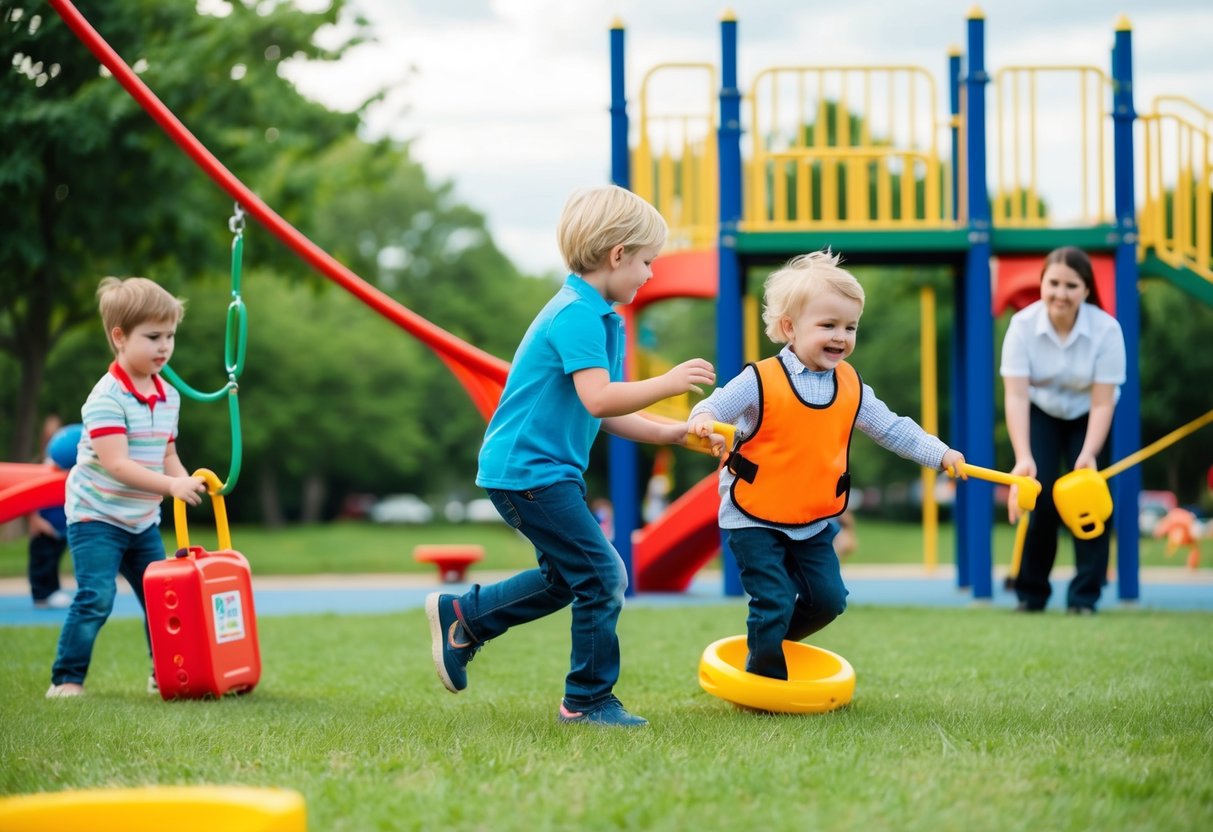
(213, 487)
(1029, 488)
(703, 444)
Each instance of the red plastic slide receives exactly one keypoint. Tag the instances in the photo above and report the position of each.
(668, 552)
(25, 488)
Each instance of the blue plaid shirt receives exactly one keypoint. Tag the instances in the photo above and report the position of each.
(737, 404)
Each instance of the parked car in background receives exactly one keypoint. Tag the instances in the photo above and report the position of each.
(481, 511)
(401, 508)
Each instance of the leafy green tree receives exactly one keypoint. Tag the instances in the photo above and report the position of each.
(1176, 366)
(90, 186)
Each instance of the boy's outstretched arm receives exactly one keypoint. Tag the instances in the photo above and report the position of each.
(604, 398)
(114, 455)
(637, 428)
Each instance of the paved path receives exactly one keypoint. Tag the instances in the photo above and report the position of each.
(910, 585)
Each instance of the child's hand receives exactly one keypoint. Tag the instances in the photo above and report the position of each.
(952, 462)
(686, 377)
(700, 424)
(187, 489)
(705, 434)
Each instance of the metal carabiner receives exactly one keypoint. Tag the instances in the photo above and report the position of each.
(235, 223)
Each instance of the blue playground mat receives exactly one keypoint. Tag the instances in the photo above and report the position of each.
(382, 595)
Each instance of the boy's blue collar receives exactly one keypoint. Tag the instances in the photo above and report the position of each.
(591, 295)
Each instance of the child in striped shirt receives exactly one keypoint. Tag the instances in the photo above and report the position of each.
(126, 464)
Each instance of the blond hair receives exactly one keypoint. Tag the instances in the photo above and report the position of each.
(595, 220)
(127, 303)
(801, 280)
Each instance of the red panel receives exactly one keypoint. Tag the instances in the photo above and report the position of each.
(1017, 281)
(682, 274)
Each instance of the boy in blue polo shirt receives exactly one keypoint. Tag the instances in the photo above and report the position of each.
(126, 464)
(565, 383)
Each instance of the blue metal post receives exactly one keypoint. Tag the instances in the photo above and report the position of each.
(955, 424)
(976, 399)
(728, 296)
(1126, 425)
(622, 457)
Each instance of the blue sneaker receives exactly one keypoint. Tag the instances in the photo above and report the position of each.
(453, 646)
(608, 714)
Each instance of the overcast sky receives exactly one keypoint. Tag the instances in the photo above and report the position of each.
(509, 98)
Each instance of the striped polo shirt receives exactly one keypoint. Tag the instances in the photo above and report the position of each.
(149, 423)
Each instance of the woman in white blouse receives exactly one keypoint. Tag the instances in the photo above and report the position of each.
(1063, 361)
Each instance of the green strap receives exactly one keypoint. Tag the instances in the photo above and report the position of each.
(235, 346)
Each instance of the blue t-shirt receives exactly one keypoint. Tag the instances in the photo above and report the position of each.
(541, 433)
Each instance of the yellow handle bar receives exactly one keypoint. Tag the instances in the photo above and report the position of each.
(1029, 488)
(213, 487)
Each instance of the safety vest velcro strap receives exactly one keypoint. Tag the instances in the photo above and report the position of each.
(741, 467)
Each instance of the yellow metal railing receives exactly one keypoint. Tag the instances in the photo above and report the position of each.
(674, 161)
(847, 148)
(1054, 117)
(1177, 215)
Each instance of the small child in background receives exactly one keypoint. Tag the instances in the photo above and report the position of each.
(566, 382)
(788, 474)
(127, 463)
(48, 526)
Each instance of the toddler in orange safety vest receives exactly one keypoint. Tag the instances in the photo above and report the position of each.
(788, 474)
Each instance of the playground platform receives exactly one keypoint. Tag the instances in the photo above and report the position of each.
(1172, 589)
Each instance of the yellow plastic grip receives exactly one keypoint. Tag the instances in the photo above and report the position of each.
(213, 487)
(703, 444)
(1029, 489)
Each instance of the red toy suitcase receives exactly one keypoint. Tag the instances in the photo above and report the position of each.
(200, 613)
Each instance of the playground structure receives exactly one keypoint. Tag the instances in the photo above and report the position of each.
(879, 187)
(863, 159)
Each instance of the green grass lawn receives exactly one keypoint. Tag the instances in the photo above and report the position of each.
(351, 547)
(963, 719)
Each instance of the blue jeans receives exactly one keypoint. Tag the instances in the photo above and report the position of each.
(578, 566)
(100, 553)
(795, 589)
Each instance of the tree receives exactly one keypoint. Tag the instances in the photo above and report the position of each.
(89, 185)
(1176, 366)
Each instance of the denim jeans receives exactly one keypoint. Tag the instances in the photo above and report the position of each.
(577, 565)
(1055, 441)
(795, 589)
(100, 553)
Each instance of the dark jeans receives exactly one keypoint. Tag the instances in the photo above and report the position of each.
(1054, 442)
(578, 566)
(45, 554)
(100, 553)
(795, 589)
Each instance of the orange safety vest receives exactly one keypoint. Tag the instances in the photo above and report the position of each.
(793, 468)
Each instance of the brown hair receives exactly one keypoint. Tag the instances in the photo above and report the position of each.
(127, 303)
(1076, 259)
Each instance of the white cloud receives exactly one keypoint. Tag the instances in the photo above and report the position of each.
(509, 98)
